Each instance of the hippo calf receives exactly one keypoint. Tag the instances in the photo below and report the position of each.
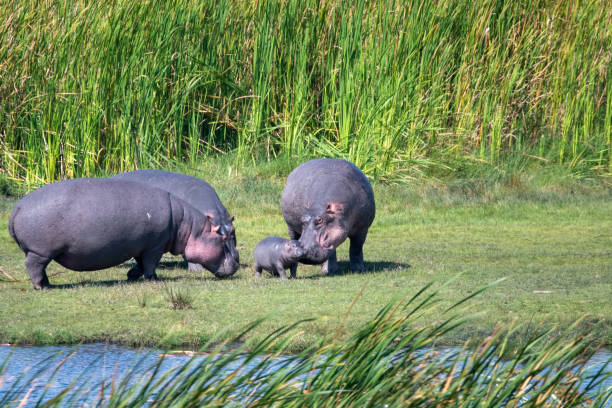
(196, 192)
(275, 254)
(324, 202)
(90, 224)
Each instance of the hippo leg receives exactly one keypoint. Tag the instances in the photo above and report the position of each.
(258, 271)
(150, 260)
(330, 267)
(356, 253)
(135, 271)
(280, 270)
(36, 266)
(294, 271)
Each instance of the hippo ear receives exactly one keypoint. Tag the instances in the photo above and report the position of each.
(232, 218)
(334, 208)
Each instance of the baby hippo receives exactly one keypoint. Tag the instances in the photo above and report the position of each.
(275, 254)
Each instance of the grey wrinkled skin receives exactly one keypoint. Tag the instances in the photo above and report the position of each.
(324, 202)
(196, 192)
(90, 224)
(275, 254)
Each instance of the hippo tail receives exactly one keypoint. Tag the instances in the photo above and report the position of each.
(11, 227)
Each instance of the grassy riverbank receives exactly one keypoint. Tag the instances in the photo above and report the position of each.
(389, 361)
(550, 241)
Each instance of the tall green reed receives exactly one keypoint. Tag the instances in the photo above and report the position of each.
(396, 87)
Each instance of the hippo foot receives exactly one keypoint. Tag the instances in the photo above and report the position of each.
(42, 287)
(153, 277)
(134, 273)
(329, 270)
(357, 267)
(194, 267)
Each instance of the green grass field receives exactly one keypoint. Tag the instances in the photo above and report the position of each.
(550, 242)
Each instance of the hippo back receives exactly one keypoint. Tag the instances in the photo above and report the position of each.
(193, 190)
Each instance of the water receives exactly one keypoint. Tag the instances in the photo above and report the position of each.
(43, 372)
(87, 366)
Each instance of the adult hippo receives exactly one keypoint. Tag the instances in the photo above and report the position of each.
(324, 202)
(90, 224)
(196, 192)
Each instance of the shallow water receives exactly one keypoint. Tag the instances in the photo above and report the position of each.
(86, 366)
(43, 372)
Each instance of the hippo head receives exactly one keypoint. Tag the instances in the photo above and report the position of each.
(214, 249)
(293, 249)
(227, 228)
(323, 230)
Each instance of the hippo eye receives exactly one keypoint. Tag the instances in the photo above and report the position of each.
(318, 221)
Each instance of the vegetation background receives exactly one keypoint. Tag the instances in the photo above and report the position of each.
(400, 88)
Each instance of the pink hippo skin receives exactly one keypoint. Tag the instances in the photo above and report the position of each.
(90, 224)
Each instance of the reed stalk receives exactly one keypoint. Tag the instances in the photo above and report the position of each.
(398, 87)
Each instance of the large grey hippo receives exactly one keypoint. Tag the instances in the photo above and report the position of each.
(90, 224)
(196, 192)
(324, 202)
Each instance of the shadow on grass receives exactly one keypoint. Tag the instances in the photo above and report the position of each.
(115, 282)
(109, 282)
(198, 276)
(168, 264)
(177, 264)
(380, 266)
(165, 264)
(371, 268)
(203, 275)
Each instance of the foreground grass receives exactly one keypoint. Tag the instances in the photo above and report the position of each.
(389, 361)
(552, 244)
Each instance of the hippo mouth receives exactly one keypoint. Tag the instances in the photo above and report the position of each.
(227, 268)
(332, 238)
(316, 255)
